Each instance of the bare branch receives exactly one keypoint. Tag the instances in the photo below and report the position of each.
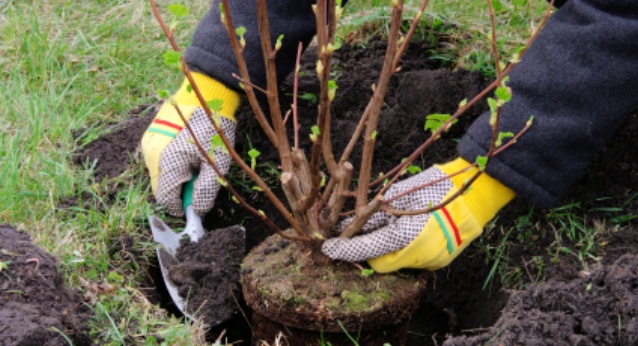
(243, 69)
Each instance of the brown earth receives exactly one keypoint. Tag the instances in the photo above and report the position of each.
(35, 306)
(289, 293)
(553, 297)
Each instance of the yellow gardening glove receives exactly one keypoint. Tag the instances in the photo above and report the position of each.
(171, 155)
(426, 241)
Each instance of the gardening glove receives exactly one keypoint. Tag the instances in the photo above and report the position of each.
(427, 241)
(171, 155)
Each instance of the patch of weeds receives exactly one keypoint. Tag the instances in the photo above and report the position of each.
(498, 257)
(574, 234)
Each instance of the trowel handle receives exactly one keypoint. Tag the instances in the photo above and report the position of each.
(194, 228)
(187, 191)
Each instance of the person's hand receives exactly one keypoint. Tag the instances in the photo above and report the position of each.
(171, 155)
(425, 241)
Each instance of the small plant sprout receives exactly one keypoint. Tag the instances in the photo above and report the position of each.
(253, 154)
(317, 184)
(240, 31)
(4, 265)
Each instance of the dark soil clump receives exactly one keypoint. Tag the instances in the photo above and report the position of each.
(599, 309)
(111, 154)
(35, 306)
(207, 274)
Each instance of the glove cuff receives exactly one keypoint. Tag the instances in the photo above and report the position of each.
(211, 90)
(485, 197)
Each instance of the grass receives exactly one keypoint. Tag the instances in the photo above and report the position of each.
(68, 66)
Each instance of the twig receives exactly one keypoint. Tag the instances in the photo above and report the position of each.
(238, 197)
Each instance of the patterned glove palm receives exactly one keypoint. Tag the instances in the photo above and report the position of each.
(171, 155)
(426, 241)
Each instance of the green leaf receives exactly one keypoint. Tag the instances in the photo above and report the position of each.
(215, 105)
(374, 134)
(315, 131)
(240, 31)
(173, 58)
(178, 10)
(481, 161)
(410, 168)
(367, 272)
(217, 142)
(332, 89)
(414, 169)
(308, 97)
(278, 44)
(502, 136)
(503, 93)
(254, 154)
(493, 104)
(163, 94)
(434, 122)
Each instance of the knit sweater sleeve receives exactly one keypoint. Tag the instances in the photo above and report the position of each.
(211, 53)
(579, 80)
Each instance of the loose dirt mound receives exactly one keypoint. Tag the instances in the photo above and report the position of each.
(600, 309)
(208, 274)
(457, 307)
(35, 306)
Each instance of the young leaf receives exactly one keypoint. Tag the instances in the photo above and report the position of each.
(481, 161)
(503, 93)
(310, 97)
(367, 272)
(217, 142)
(163, 94)
(315, 131)
(332, 89)
(434, 122)
(178, 10)
(410, 168)
(173, 58)
(280, 38)
(502, 136)
(221, 13)
(493, 104)
(240, 31)
(215, 105)
(254, 154)
(221, 181)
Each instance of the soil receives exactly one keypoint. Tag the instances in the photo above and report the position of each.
(35, 306)
(210, 278)
(284, 287)
(542, 294)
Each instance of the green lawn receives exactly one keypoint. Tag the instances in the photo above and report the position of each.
(67, 66)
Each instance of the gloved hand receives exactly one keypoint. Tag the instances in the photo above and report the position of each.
(426, 241)
(171, 155)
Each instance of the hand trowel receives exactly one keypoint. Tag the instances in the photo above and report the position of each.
(170, 241)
